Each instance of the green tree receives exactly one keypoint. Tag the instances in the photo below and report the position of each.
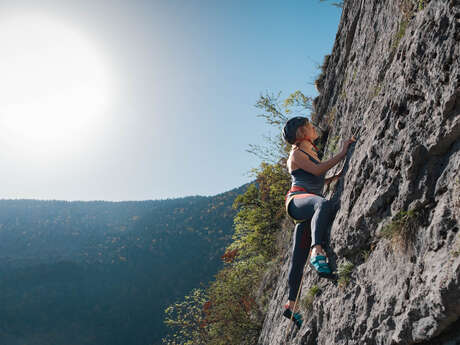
(230, 314)
(260, 211)
(276, 112)
(188, 319)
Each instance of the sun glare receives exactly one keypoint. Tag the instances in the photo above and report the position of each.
(54, 84)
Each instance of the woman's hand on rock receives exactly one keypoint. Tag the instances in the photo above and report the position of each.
(335, 178)
(339, 175)
(346, 144)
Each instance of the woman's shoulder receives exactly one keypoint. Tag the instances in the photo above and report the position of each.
(313, 155)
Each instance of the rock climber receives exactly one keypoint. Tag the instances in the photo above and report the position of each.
(305, 203)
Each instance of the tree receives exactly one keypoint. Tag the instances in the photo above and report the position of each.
(188, 319)
(276, 113)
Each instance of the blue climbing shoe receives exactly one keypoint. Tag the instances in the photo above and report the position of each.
(296, 318)
(320, 265)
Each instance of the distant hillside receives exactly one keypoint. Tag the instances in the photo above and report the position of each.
(100, 272)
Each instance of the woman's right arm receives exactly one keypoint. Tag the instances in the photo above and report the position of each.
(302, 161)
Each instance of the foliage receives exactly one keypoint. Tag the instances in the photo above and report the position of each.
(274, 116)
(401, 230)
(307, 301)
(188, 317)
(221, 314)
(355, 70)
(319, 81)
(344, 272)
(261, 209)
(343, 92)
(365, 254)
(276, 113)
(103, 270)
(400, 34)
(331, 115)
(377, 89)
(407, 8)
(421, 4)
(332, 144)
(297, 103)
(229, 318)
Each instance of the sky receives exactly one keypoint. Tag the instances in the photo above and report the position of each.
(139, 100)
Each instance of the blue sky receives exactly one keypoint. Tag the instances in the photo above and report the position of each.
(185, 76)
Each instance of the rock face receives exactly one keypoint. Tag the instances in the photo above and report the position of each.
(394, 79)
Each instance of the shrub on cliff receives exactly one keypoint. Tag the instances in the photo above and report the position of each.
(260, 212)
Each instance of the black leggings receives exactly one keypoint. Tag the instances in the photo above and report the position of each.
(307, 234)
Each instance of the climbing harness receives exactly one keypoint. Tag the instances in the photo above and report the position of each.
(296, 192)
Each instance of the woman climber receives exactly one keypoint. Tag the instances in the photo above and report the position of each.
(305, 203)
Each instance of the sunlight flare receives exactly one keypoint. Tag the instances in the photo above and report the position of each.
(55, 86)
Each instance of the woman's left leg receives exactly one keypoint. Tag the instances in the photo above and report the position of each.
(302, 242)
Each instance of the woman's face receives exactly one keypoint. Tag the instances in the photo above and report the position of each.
(310, 131)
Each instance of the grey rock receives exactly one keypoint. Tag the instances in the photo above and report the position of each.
(393, 78)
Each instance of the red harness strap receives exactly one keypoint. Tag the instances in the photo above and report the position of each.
(298, 189)
(295, 189)
(290, 196)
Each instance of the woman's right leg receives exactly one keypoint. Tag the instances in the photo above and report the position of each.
(300, 251)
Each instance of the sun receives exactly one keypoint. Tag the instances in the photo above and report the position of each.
(55, 85)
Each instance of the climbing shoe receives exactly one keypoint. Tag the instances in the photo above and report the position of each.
(296, 318)
(320, 265)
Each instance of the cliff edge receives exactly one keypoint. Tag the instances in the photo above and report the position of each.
(393, 78)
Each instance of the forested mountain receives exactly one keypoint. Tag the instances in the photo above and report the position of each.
(102, 272)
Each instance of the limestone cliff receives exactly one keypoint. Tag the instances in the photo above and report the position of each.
(393, 78)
